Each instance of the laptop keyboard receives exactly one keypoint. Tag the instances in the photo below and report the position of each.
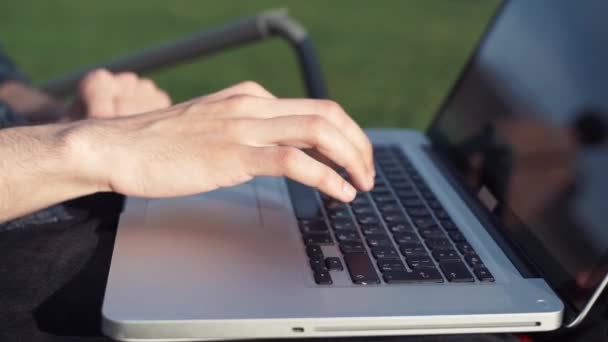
(398, 233)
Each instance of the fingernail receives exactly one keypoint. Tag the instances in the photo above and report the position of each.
(349, 190)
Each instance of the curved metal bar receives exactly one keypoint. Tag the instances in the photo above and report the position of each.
(268, 24)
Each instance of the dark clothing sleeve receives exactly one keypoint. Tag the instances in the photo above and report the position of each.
(9, 71)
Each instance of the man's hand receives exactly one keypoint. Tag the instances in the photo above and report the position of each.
(103, 94)
(219, 140)
(225, 139)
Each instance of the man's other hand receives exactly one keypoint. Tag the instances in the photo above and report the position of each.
(103, 94)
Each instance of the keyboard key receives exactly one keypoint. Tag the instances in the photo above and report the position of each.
(363, 209)
(314, 251)
(313, 227)
(332, 204)
(473, 260)
(348, 247)
(396, 177)
(400, 227)
(391, 168)
(322, 278)
(405, 194)
(418, 212)
(361, 269)
(434, 204)
(334, 264)
(311, 221)
(395, 218)
(411, 248)
(391, 266)
(379, 181)
(372, 230)
(404, 237)
(441, 214)
(483, 274)
(422, 275)
(465, 248)
(384, 199)
(416, 261)
(427, 194)
(416, 177)
(456, 272)
(379, 241)
(360, 199)
(445, 255)
(380, 236)
(380, 191)
(337, 214)
(412, 203)
(343, 224)
(403, 185)
(424, 222)
(368, 219)
(448, 225)
(317, 239)
(317, 264)
(389, 208)
(347, 236)
(431, 233)
(457, 236)
(385, 253)
(434, 243)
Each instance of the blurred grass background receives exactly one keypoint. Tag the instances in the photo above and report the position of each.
(389, 62)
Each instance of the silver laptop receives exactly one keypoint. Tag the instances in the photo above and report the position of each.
(492, 221)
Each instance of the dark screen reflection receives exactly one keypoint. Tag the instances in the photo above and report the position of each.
(527, 127)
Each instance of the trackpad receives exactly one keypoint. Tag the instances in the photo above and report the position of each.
(226, 209)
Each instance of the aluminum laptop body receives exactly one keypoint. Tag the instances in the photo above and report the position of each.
(231, 264)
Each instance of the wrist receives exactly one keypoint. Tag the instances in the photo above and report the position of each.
(78, 143)
(42, 166)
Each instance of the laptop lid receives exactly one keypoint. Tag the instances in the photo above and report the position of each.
(525, 130)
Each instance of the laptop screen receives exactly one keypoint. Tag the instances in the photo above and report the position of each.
(526, 127)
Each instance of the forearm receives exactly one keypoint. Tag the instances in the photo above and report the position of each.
(39, 166)
(31, 103)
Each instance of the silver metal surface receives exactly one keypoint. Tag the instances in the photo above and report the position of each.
(230, 265)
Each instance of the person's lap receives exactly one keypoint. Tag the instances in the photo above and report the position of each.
(53, 279)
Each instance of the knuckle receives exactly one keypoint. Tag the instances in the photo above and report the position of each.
(332, 109)
(100, 74)
(330, 105)
(94, 78)
(287, 158)
(165, 99)
(251, 87)
(147, 83)
(238, 103)
(128, 76)
(317, 127)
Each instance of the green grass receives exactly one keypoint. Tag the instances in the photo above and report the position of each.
(389, 62)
